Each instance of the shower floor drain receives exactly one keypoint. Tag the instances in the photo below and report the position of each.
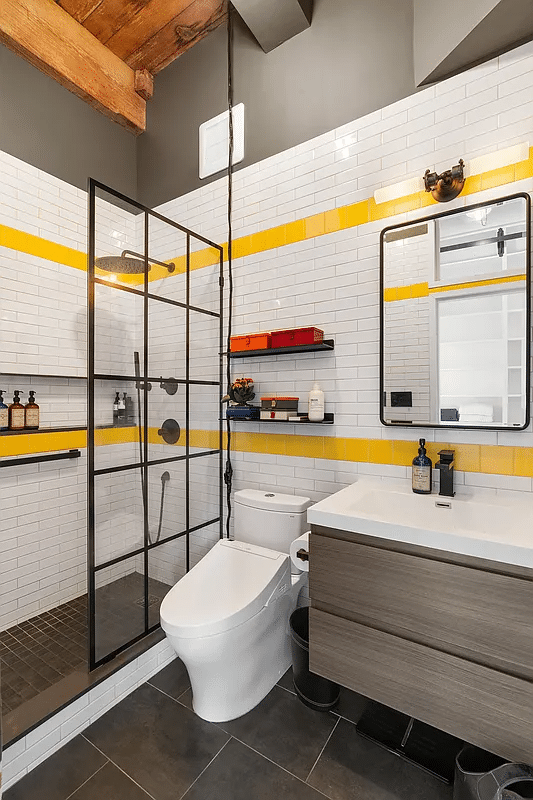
(152, 600)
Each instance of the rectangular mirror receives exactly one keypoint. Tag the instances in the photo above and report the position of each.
(455, 309)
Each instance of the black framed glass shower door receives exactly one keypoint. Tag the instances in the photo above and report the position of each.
(155, 343)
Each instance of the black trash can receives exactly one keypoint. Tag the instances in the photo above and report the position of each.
(507, 782)
(471, 763)
(313, 690)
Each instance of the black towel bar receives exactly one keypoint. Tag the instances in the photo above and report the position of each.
(16, 462)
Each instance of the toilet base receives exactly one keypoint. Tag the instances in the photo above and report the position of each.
(233, 671)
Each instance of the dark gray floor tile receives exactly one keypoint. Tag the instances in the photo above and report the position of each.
(353, 768)
(158, 742)
(61, 774)
(238, 773)
(186, 699)
(172, 679)
(110, 784)
(351, 705)
(286, 681)
(284, 730)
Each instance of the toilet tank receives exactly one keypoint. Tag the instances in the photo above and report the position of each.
(269, 519)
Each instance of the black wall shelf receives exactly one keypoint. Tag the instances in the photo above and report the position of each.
(62, 429)
(30, 374)
(326, 346)
(329, 419)
(17, 462)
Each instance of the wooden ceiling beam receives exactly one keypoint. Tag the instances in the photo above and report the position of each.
(110, 16)
(49, 38)
(79, 9)
(145, 24)
(196, 21)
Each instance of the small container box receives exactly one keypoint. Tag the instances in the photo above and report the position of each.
(242, 412)
(297, 336)
(252, 341)
(279, 407)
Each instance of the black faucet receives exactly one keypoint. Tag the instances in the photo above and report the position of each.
(446, 472)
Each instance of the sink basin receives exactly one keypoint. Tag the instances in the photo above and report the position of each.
(495, 528)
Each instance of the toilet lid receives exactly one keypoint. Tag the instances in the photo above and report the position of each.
(228, 586)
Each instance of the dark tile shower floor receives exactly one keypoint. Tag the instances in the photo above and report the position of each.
(40, 652)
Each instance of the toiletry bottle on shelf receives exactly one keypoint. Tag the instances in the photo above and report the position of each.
(130, 410)
(122, 410)
(16, 413)
(316, 404)
(4, 414)
(422, 470)
(115, 408)
(31, 413)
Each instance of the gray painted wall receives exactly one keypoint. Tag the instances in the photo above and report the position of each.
(356, 57)
(47, 126)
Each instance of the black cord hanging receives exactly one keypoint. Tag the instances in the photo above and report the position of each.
(228, 472)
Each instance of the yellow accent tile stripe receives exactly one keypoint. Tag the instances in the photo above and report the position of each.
(491, 459)
(394, 293)
(336, 219)
(42, 248)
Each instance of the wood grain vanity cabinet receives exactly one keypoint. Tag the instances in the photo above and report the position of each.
(445, 638)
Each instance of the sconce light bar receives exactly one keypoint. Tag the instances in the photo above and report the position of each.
(476, 166)
(411, 186)
(501, 158)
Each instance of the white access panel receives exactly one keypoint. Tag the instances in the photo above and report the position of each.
(214, 142)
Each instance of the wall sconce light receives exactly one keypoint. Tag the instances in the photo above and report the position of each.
(446, 186)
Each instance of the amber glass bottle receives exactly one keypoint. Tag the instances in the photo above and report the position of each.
(16, 413)
(31, 414)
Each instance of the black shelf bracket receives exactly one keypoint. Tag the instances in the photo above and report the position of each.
(17, 462)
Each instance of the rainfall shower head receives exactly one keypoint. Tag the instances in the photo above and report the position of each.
(129, 263)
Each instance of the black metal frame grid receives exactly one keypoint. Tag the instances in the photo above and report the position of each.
(144, 463)
(453, 211)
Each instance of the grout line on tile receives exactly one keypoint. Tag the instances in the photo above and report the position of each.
(320, 754)
(206, 767)
(120, 768)
(88, 779)
(283, 768)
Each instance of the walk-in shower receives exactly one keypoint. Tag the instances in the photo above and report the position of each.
(149, 481)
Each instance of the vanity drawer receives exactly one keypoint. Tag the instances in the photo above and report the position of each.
(473, 702)
(458, 609)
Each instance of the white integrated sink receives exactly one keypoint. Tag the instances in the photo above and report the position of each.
(496, 528)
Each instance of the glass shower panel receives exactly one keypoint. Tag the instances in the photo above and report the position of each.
(167, 563)
(204, 490)
(117, 440)
(204, 338)
(118, 319)
(201, 541)
(119, 606)
(119, 240)
(167, 515)
(119, 517)
(141, 471)
(205, 268)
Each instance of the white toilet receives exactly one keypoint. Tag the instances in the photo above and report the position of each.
(228, 618)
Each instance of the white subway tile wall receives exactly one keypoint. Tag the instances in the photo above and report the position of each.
(332, 281)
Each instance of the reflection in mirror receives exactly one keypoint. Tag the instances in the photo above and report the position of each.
(455, 318)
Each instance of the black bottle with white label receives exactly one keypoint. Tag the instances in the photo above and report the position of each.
(422, 470)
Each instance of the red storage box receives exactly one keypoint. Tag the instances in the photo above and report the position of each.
(253, 341)
(297, 336)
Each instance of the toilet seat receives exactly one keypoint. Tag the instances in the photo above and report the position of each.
(231, 584)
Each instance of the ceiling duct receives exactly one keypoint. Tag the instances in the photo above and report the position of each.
(273, 22)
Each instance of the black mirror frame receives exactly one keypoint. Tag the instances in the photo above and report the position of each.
(462, 209)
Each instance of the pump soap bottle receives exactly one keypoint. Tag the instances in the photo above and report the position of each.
(116, 401)
(31, 413)
(4, 415)
(16, 413)
(422, 470)
(316, 404)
